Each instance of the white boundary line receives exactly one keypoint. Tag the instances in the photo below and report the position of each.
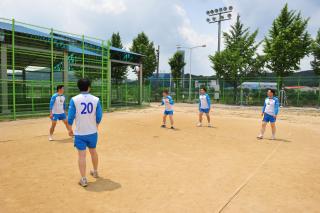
(237, 191)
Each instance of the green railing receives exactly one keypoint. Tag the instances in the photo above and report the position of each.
(34, 60)
(296, 91)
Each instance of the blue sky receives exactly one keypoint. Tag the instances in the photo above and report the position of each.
(166, 22)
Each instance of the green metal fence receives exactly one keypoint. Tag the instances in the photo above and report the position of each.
(295, 91)
(34, 60)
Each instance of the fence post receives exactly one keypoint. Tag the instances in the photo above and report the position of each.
(102, 72)
(298, 97)
(82, 56)
(13, 72)
(150, 91)
(319, 94)
(32, 96)
(259, 92)
(223, 95)
(108, 77)
(126, 93)
(51, 74)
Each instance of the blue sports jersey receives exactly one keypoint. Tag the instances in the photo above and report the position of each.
(168, 103)
(86, 110)
(204, 101)
(57, 104)
(271, 106)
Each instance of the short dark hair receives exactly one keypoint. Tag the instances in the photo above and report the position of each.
(165, 91)
(205, 89)
(59, 87)
(272, 90)
(84, 84)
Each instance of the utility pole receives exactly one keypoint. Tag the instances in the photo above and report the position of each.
(157, 75)
(190, 78)
(218, 16)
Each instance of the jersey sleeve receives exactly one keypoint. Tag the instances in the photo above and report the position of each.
(72, 112)
(64, 103)
(264, 106)
(276, 106)
(98, 113)
(208, 101)
(162, 102)
(52, 100)
(170, 100)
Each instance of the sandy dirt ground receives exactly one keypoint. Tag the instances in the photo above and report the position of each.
(144, 168)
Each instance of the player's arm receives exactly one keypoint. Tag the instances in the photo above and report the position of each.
(71, 116)
(276, 107)
(171, 102)
(64, 104)
(52, 100)
(263, 108)
(208, 101)
(98, 113)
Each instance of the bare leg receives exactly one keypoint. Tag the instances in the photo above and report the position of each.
(263, 129)
(171, 119)
(200, 117)
(82, 162)
(273, 128)
(208, 117)
(94, 158)
(53, 126)
(164, 119)
(66, 124)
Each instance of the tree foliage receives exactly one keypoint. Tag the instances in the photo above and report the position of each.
(239, 58)
(316, 54)
(118, 73)
(287, 42)
(176, 63)
(142, 45)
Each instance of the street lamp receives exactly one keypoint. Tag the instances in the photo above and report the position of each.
(219, 15)
(190, 49)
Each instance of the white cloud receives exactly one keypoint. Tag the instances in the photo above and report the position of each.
(102, 6)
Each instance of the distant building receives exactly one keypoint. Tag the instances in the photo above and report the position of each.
(258, 85)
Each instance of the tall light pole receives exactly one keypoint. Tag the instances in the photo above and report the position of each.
(190, 50)
(218, 16)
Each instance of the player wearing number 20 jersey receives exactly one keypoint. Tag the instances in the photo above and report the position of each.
(85, 109)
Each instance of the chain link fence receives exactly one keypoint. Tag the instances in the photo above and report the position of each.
(295, 91)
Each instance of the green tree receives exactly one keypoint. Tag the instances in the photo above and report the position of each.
(287, 43)
(239, 59)
(316, 54)
(176, 64)
(118, 73)
(142, 45)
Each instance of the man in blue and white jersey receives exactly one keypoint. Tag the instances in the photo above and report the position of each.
(270, 111)
(204, 106)
(85, 109)
(168, 102)
(57, 109)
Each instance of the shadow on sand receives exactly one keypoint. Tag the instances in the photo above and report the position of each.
(67, 140)
(101, 185)
(281, 140)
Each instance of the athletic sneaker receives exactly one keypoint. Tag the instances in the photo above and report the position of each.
(50, 138)
(209, 125)
(163, 126)
(94, 174)
(172, 127)
(273, 138)
(83, 182)
(260, 137)
(199, 125)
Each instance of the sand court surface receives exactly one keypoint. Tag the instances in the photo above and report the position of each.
(145, 168)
